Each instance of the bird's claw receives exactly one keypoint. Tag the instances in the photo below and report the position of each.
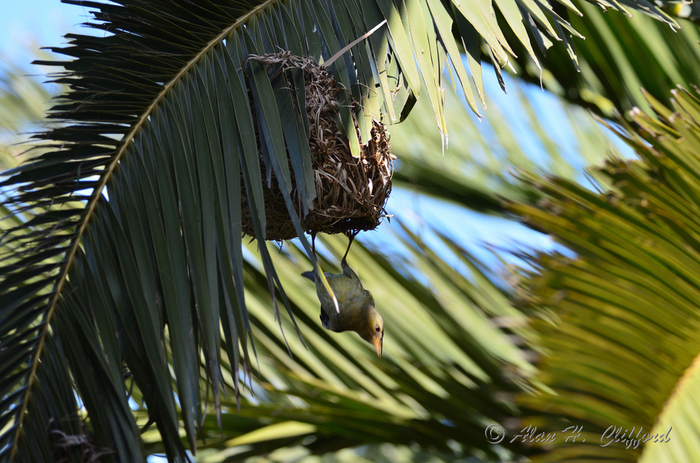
(351, 236)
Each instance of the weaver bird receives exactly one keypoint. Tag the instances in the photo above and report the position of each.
(356, 305)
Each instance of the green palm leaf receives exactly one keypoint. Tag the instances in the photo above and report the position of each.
(441, 380)
(24, 102)
(618, 323)
(477, 171)
(619, 56)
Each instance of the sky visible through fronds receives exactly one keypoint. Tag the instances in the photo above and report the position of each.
(42, 23)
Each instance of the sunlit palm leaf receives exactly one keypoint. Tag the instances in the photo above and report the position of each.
(619, 323)
(477, 170)
(24, 102)
(23, 99)
(619, 56)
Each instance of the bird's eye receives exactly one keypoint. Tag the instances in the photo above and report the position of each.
(377, 329)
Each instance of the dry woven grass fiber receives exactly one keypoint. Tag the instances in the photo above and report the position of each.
(351, 192)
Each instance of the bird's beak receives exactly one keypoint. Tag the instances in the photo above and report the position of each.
(378, 346)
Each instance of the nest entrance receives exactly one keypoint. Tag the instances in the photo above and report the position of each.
(351, 192)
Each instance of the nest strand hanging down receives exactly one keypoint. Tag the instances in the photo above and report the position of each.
(351, 192)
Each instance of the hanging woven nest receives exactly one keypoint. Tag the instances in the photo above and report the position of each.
(351, 192)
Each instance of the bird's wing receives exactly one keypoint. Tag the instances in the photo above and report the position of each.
(325, 320)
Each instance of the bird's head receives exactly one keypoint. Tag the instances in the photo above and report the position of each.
(373, 329)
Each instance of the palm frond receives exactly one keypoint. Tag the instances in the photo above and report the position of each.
(618, 324)
(24, 102)
(471, 172)
(447, 371)
(619, 56)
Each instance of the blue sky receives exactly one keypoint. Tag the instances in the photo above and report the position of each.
(43, 21)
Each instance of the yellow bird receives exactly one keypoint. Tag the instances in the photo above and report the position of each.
(357, 312)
